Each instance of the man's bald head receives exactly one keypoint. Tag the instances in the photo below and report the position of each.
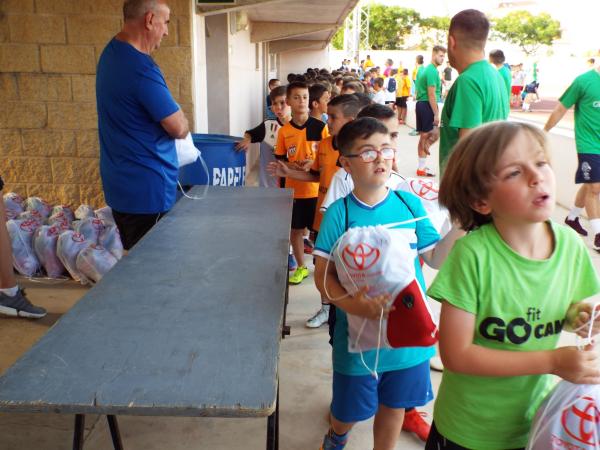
(470, 28)
(135, 9)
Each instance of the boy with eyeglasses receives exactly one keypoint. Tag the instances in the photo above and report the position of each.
(367, 154)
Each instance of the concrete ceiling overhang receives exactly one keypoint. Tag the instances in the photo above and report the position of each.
(289, 24)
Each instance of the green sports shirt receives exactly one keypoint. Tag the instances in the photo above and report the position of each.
(507, 78)
(429, 77)
(476, 97)
(519, 305)
(584, 93)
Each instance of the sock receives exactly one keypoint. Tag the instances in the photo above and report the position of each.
(422, 163)
(11, 292)
(339, 439)
(574, 213)
(595, 223)
(325, 306)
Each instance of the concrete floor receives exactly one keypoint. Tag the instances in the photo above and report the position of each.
(305, 374)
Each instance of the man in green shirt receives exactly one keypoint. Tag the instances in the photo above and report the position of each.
(497, 59)
(584, 93)
(478, 94)
(429, 91)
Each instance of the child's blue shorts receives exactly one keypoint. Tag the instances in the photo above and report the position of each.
(357, 397)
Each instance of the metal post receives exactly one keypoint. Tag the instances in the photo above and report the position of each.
(78, 433)
(114, 432)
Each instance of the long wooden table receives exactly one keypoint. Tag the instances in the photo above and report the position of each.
(188, 324)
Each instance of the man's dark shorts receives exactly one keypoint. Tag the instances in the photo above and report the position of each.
(303, 213)
(401, 102)
(588, 168)
(133, 227)
(424, 115)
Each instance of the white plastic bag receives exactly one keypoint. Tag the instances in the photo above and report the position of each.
(105, 214)
(83, 212)
(13, 204)
(187, 153)
(63, 210)
(61, 220)
(68, 246)
(39, 205)
(90, 228)
(110, 239)
(382, 258)
(427, 191)
(45, 239)
(21, 238)
(32, 215)
(95, 261)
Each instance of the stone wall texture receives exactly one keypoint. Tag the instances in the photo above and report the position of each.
(48, 121)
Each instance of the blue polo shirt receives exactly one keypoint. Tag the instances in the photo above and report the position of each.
(138, 160)
(390, 210)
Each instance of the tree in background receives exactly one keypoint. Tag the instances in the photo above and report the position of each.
(527, 31)
(434, 31)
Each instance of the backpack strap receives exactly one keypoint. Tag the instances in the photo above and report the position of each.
(346, 215)
(405, 204)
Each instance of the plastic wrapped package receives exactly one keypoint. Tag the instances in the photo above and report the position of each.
(105, 214)
(68, 246)
(45, 240)
(110, 239)
(32, 215)
(39, 205)
(83, 212)
(90, 228)
(13, 204)
(63, 210)
(21, 238)
(95, 261)
(61, 220)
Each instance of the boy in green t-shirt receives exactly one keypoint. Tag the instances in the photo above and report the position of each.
(584, 93)
(507, 289)
(497, 59)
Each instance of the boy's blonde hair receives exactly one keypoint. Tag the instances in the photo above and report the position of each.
(470, 169)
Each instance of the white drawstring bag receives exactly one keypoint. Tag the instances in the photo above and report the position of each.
(61, 220)
(68, 246)
(569, 417)
(21, 238)
(90, 228)
(95, 261)
(187, 153)
(13, 204)
(83, 212)
(39, 205)
(32, 215)
(105, 214)
(45, 239)
(110, 239)
(63, 210)
(427, 191)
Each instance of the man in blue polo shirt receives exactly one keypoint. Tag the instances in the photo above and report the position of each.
(138, 122)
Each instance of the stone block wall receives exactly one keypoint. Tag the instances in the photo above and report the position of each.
(48, 122)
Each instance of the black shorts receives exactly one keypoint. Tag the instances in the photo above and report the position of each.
(1, 184)
(588, 168)
(133, 227)
(401, 102)
(438, 442)
(424, 115)
(303, 213)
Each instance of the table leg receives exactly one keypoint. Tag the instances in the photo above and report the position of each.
(78, 434)
(273, 427)
(285, 329)
(114, 432)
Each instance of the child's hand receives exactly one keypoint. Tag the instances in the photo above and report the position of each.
(278, 169)
(577, 366)
(244, 144)
(370, 307)
(304, 165)
(581, 320)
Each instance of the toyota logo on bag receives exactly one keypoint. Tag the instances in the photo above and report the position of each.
(424, 189)
(361, 257)
(581, 420)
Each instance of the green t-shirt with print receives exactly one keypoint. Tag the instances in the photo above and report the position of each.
(584, 93)
(507, 78)
(520, 305)
(476, 97)
(419, 73)
(429, 77)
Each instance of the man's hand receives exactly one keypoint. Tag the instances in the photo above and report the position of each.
(278, 169)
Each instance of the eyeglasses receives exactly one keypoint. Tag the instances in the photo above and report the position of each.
(371, 154)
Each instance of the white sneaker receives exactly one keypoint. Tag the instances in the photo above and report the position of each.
(320, 317)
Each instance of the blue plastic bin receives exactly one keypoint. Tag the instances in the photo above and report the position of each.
(226, 166)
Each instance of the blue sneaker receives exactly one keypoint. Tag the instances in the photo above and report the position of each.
(292, 264)
(334, 442)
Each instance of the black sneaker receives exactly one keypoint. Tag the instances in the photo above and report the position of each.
(576, 225)
(20, 306)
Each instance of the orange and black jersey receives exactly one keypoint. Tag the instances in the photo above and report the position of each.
(325, 165)
(297, 143)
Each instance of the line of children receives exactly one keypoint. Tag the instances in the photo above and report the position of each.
(507, 290)
(367, 154)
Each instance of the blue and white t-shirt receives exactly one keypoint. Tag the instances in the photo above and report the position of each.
(391, 209)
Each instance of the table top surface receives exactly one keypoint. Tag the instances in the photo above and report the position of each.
(188, 324)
